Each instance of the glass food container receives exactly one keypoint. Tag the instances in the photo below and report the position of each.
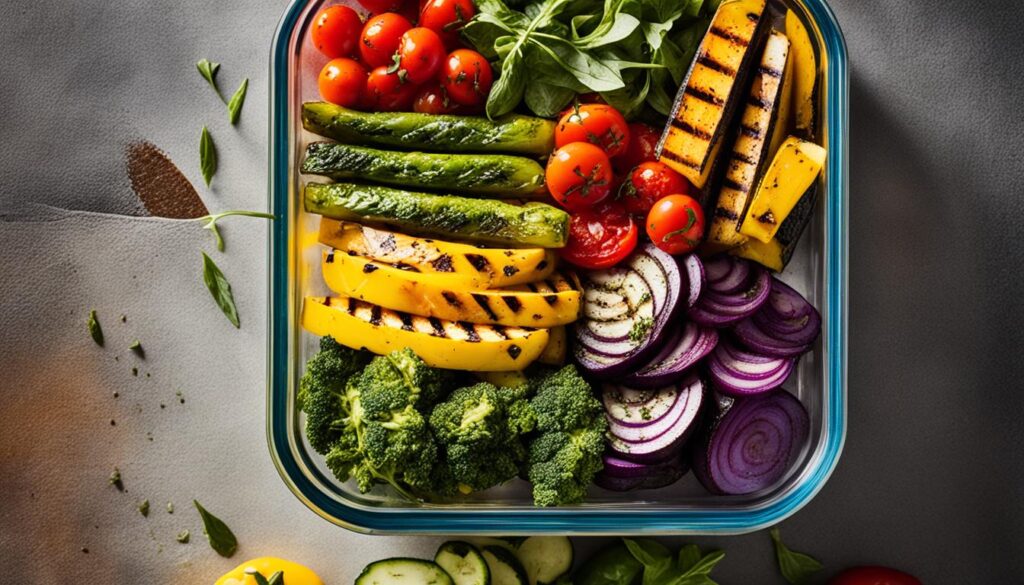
(818, 269)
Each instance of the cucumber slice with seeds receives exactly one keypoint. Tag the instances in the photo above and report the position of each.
(545, 558)
(463, 562)
(505, 568)
(403, 571)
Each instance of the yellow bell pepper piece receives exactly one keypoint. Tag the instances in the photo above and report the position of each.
(439, 343)
(481, 267)
(293, 573)
(542, 304)
(793, 170)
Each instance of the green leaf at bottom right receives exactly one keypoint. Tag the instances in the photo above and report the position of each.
(796, 568)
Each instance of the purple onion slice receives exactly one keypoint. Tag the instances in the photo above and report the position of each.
(684, 348)
(750, 334)
(621, 475)
(741, 373)
(631, 407)
(751, 445)
(719, 310)
(663, 437)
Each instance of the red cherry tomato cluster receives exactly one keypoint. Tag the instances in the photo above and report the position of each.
(387, 64)
(605, 173)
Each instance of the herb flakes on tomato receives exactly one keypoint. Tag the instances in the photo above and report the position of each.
(579, 175)
(381, 37)
(648, 182)
(598, 124)
(676, 224)
(600, 237)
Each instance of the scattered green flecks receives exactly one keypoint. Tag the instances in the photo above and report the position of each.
(183, 537)
(135, 371)
(144, 508)
(235, 105)
(217, 532)
(181, 397)
(115, 480)
(124, 318)
(170, 507)
(136, 347)
(94, 328)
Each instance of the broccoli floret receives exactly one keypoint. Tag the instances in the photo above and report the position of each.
(480, 430)
(321, 389)
(385, 437)
(565, 453)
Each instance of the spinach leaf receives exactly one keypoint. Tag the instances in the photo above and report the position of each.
(795, 567)
(220, 289)
(235, 105)
(207, 156)
(217, 532)
(547, 100)
(689, 555)
(507, 91)
(614, 565)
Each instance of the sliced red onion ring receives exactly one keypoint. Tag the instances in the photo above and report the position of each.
(663, 437)
(631, 407)
(749, 333)
(718, 310)
(621, 475)
(693, 268)
(751, 445)
(685, 347)
(740, 373)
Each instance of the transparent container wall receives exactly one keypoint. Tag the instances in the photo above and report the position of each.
(818, 269)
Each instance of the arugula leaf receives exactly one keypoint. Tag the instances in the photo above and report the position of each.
(220, 536)
(95, 331)
(220, 289)
(795, 567)
(207, 156)
(208, 69)
(235, 105)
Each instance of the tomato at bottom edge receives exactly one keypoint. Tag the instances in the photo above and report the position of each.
(600, 237)
(873, 576)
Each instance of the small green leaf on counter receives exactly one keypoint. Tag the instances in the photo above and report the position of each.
(210, 222)
(207, 156)
(94, 328)
(795, 567)
(688, 557)
(220, 288)
(220, 536)
(144, 508)
(170, 507)
(208, 70)
(136, 346)
(235, 105)
(183, 537)
(115, 480)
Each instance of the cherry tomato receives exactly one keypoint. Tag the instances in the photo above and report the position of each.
(387, 92)
(647, 183)
(446, 17)
(380, 38)
(380, 6)
(643, 141)
(598, 124)
(676, 224)
(579, 175)
(467, 77)
(873, 576)
(600, 237)
(342, 81)
(420, 54)
(433, 99)
(335, 31)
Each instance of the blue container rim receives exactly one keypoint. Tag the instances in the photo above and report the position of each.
(656, 520)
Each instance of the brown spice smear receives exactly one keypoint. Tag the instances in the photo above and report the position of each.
(163, 189)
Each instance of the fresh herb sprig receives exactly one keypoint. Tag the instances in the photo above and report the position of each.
(208, 69)
(207, 156)
(217, 532)
(210, 222)
(220, 289)
(796, 568)
(95, 331)
(235, 105)
(661, 567)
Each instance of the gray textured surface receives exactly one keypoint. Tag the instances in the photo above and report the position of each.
(932, 475)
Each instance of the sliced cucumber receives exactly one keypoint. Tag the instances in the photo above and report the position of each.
(545, 558)
(463, 562)
(505, 568)
(402, 571)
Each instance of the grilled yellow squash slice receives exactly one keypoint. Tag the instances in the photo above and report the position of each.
(554, 352)
(440, 343)
(763, 125)
(714, 87)
(547, 303)
(805, 84)
(480, 267)
(772, 255)
(792, 172)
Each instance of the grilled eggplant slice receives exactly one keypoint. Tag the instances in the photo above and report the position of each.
(763, 125)
(714, 88)
(547, 303)
(481, 267)
(793, 171)
(455, 345)
(805, 84)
